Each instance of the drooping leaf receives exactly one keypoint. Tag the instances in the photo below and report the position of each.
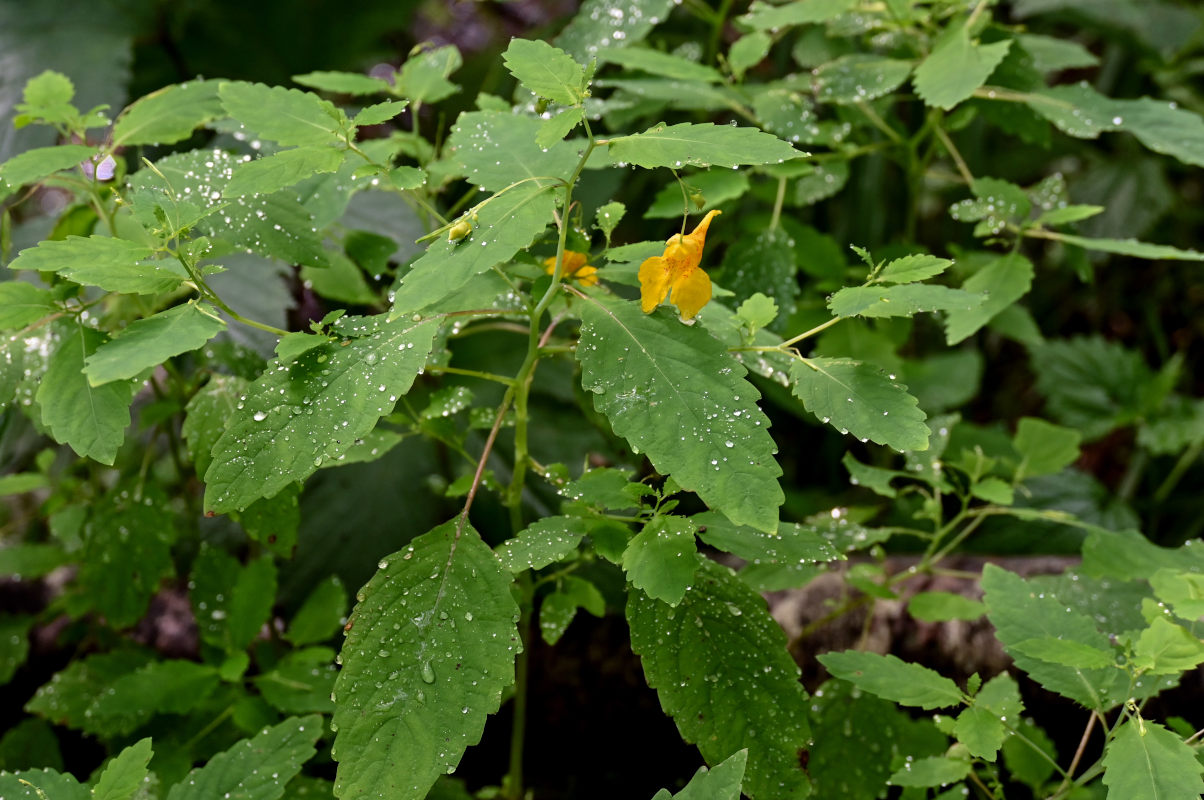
(675, 393)
(151, 341)
(543, 542)
(944, 606)
(22, 304)
(765, 16)
(719, 664)
(956, 67)
(661, 560)
(424, 76)
(902, 300)
(597, 26)
(931, 771)
(352, 83)
(861, 400)
(1132, 247)
(546, 70)
(431, 646)
(90, 419)
(168, 115)
(496, 149)
(859, 78)
(699, 145)
(256, 768)
(299, 415)
(559, 608)
(721, 783)
(1003, 281)
(321, 615)
(285, 168)
(1147, 760)
(123, 776)
(33, 165)
(111, 264)
(893, 679)
(286, 116)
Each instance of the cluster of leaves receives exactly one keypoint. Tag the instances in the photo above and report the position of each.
(588, 455)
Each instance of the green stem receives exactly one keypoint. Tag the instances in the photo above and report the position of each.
(777, 205)
(471, 373)
(955, 154)
(810, 333)
(717, 24)
(518, 730)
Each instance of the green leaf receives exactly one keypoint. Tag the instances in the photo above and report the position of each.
(160, 687)
(505, 224)
(893, 679)
(956, 67)
(1132, 247)
(207, 413)
(910, 269)
(826, 180)
(716, 186)
(1091, 384)
(757, 312)
(559, 607)
(352, 83)
(1147, 760)
(1020, 613)
(558, 127)
(943, 607)
(23, 304)
(286, 116)
(765, 261)
(1004, 281)
(719, 664)
(321, 615)
(30, 741)
(1182, 591)
(14, 633)
(34, 165)
(297, 416)
(859, 78)
(111, 264)
(983, 728)
(721, 783)
(285, 168)
(149, 342)
(431, 646)
(903, 300)
(1051, 54)
(379, 113)
(301, 682)
(543, 542)
(662, 65)
(700, 145)
(1044, 448)
(596, 28)
(342, 280)
(608, 218)
(675, 393)
(861, 400)
(69, 696)
(41, 784)
(497, 148)
(931, 771)
(90, 419)
(793, 548)
(1129, 555)
(1023, 762)
(748, 51)
(546, 70)
(994, 490)
(423, 78)
(168, 115)
(763, 16)
(257, 768)
(1165, 648)
(661, 560)
(29, 561)
(1165, 128)
(1067, 214)
(1068, 653)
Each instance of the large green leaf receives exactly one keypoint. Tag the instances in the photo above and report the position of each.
(675, 393)
(860, 399)
(497, 149)
(956, 67)
(111, 264)
(231, 602)
(174, 686)
(721, 783)
(33, 165)
(1003, 281)
(286, 116)
(1091, 384)
(1147, 760)
(506, 223)
(546, 70)
(700, 145)
(123, 776)
(544, 542)
(719, 664)
(299, 415)
(206, 416)
(661, 560)
(603, 24)
(778, 560)
(68, 697)
(41, 784)
(151, 341)
(257, 768)
(859, 77)
(169, 115)
(893, 679)
(430, 647)
(983, 728)
(90, 419)
(903, 300)
(285, 168)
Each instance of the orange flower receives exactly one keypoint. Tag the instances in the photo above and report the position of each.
(677, 271)
(574, 264)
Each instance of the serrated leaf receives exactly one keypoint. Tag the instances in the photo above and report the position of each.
(931, 771)
(608, 218)
(111, 264)
(1165, 648)
(983, 728)
(1068, 653)
(1132, 247)
(859, 78)
(893, 679)
(150, 341)
(543, 542)
(207, 413)
(1182, 591)
(431, 646)
(793, 547)
(1068, 214)
(943, 607)
(546, 70)
(286, 116)
(66, 698)
(257, 768)
(559, 608)
(1020, 613)
(301, 682)
(661, 560)
(507, 223)
(716, 186)
(1044, 448)
(321, 615)
(380, 113)
(23, 304)
(1147, 760)
(1004, 281)
(498, 148)
(297, 416)
(861, 400)
(125, 773)
(1023, 762)
(956, 67)
(700, 145)
(168, 115)
(424, 76)
(719, 664)
(90, 419)
(662, 65)
(41, 784)
(285, 168)
(556, 128)
(596, 27)
(352, 83)
(40, 162)
(765, 16)
(902, 300)
(721, 783)
(910, 269)
(763, 262)
(1051, 54)
(1091, 384)
(675, 393)
(826, 180)
(748, 51)
(1129, 555)
(161, 687)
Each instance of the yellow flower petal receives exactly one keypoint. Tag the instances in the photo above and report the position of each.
(587, 276)
(678, 270)
(654, 277)
(691, 292)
